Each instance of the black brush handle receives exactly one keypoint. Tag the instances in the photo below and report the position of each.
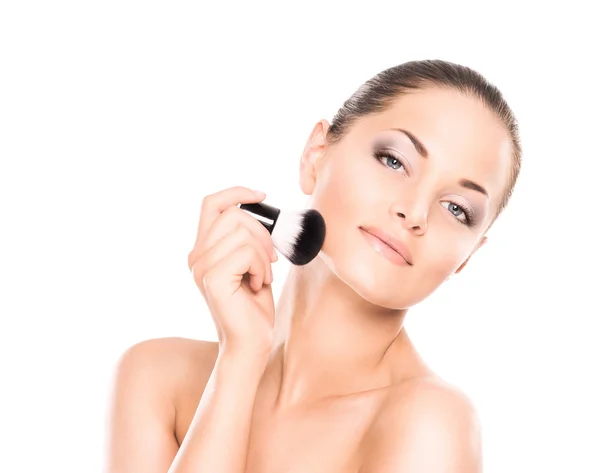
(264, 210)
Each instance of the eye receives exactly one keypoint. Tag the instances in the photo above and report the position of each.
(388, 159)
(456, 210)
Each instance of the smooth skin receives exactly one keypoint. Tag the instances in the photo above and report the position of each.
(336, 385)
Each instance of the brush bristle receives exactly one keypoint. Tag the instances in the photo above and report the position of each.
(299, 236)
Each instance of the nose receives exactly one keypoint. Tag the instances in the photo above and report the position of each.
(414, 219)
(415, 223)
(412, 206)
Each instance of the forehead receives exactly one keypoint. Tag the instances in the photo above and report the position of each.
(462, 136)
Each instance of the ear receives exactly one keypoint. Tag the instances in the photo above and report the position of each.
(310, 160)
(482, 242)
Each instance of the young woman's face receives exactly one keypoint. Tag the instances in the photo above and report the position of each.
(376, 179)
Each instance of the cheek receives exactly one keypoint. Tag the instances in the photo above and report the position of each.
(342, 195)
(342, 192)
(445, 255)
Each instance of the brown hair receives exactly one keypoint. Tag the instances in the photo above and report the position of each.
(380, 91)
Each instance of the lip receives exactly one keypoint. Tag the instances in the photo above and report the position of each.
(394, 243)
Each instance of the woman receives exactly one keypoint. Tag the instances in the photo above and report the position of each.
(425, 155)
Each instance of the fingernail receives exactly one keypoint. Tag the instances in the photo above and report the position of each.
(260, 193)
(274, 255)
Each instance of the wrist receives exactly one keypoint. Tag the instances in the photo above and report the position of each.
(246, 360)
(236, 350)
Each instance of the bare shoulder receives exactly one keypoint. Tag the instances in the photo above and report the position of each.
(171, 349)
(169, 362)
(426, 424)
(431, 394)
(152, 380)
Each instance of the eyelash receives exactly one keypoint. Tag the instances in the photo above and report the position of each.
(379, 155)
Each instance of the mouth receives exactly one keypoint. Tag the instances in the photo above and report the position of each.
(389, 246)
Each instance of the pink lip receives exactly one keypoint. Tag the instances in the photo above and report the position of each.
(397, 246)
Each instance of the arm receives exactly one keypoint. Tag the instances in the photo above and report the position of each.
(140, 434)
(217, 439)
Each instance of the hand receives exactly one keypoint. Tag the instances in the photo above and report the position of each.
(231, 264)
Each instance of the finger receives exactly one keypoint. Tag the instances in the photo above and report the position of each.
(241, 236)
(228, 221)
(227, 273)
(229, 244)
(214, 204)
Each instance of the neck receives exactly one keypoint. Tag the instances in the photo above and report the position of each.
(329, 340)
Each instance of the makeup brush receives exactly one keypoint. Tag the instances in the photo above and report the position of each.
(298, 235)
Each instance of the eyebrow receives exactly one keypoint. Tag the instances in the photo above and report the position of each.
(420, 147)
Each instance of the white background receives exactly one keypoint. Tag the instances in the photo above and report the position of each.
(117, 117)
